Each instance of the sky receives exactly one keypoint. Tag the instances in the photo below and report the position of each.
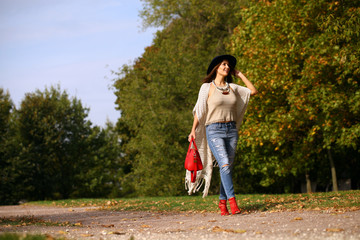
(72, 43)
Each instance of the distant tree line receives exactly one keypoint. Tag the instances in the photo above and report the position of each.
(49, 150)
(302, 128)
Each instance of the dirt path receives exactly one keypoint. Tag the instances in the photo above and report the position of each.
(92, 223)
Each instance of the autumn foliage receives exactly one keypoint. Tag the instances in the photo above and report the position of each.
(304, 125)
(303, 56)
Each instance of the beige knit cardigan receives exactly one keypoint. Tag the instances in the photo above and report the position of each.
(208, 160)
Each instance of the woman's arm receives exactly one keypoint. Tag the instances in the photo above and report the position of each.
(248, 84)
(195, 124)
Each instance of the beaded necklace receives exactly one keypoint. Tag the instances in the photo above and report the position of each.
(224, 90)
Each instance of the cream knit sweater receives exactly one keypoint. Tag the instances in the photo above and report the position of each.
(208, 160)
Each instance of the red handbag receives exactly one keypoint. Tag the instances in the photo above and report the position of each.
(192, 161)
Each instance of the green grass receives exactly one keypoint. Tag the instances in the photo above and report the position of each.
(10, 222)
(341, 201)
(19, 236)
(29, 220)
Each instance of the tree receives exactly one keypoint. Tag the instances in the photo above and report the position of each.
(101, 172)
(304, 59)
(8, 150)
(156, 94)
(53, 130)
(5, 111)
(49, 150)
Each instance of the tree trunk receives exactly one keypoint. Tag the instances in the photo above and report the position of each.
(308, 183)
(333, 172)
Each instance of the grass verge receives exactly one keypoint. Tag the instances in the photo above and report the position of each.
(19, 236)
(29, 220)
(330, 201)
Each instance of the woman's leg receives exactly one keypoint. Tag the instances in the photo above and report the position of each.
(222, 140)
(222, 192)
(231, 149)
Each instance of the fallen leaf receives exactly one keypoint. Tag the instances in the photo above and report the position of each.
(145, 226)
(176, 230)
(86, 235)
(108, 226)
(212, 220)
(49, 237)
(61, 232)
(116, 233)
(217, 229)
(334, 229)
(78, 224)
(298, 218)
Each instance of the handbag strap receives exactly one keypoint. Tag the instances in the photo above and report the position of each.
(193, 142)
(190, 145)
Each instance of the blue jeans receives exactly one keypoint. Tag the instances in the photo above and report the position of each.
(222, 139)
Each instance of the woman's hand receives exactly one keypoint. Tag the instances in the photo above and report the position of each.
(236, 73)
(248, 84)
(191, 135)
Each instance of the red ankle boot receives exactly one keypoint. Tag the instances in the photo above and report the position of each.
(233, 206)
(223, 208)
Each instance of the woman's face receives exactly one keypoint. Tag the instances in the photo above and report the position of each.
(224, 68)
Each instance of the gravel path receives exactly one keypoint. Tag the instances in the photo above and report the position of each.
(93, 223)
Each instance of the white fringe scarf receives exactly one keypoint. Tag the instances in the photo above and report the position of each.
(204, 176)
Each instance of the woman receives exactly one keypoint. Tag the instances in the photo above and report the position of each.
(219, 111)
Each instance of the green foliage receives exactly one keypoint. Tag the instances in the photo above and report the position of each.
(156, 95)
(52, 130)
(304, 58)
(49, 150)
(8, 149)
(5, 110)
(101, 172)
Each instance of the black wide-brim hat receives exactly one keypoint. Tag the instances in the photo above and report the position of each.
(219, 59)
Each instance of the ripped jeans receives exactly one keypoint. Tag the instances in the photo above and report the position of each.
(222, 139)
